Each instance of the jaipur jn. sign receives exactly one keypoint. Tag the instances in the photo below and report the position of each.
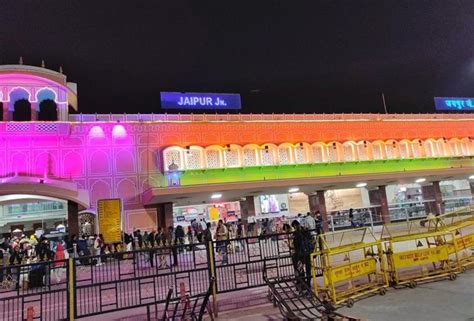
(190, 101)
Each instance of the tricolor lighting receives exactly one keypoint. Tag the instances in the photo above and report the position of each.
(293, 190)
(361, 185)
(420, 180)
(216, 196)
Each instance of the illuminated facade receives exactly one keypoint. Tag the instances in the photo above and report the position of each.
(151, 161)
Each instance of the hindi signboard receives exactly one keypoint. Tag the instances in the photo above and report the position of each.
(454, 103)
(177, 100)
(110, 219)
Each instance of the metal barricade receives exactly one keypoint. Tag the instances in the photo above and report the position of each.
(418, 251)
(461, 224)
(349, 264)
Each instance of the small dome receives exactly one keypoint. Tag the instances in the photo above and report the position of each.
(173, 167)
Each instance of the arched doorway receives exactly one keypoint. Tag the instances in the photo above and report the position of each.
(48, 110)
(22, 110)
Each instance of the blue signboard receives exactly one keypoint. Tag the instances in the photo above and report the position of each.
(175, 100)
(454, 103)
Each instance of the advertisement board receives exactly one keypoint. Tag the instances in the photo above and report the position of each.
(454, 103)
(110, 219)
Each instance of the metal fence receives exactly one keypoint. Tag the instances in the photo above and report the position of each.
(87, 286)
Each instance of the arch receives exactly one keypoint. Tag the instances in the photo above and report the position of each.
(48, 110)
(100, 189)
(127, 191)
(404, 148)
(268, 154)
(22, 110)
(319, 152)
(233, 156)
(20, 163)
(73, 164)
(213, 156)
(124, 162)
(430, 148)
(349, 151)
(194, 157)
(334, 151)
(46, 94)
(378, 150)
(466, 146)
(148, 161)
(45, 164)
(391, 149)
(285, 154)
(441, 145)
(173, 154)
(301, 153)
(417, 148)
(18, 93)
(251, 155)
(99, 163)
(362, 150)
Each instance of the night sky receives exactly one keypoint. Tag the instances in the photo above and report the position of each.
(281, 56)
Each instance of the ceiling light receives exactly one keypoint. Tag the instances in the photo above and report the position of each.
(471, 177)
(420, 180)
(293, 190)
(216, 196)
(361, 185)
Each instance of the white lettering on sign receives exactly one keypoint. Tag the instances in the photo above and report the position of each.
(200, 101)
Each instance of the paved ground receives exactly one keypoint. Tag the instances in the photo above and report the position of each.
(438, 301)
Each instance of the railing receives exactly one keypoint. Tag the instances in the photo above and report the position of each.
(263, 117)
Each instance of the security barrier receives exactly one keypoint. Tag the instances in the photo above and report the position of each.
(418, 251)
(348, 264)
(461, 224)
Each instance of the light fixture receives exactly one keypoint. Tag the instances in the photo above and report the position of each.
(96, 132)
(119, 131)
(361, 185)
(471, 177)
(403, 189)
(293, 190)
(420, 180)
(216, 196)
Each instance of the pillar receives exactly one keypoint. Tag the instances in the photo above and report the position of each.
(34, 115)
(247, 209)
(72, 218)
(7, 115)
(471, 183)
(433, 199)
(378, 197)
(317, 203)
(164, 215)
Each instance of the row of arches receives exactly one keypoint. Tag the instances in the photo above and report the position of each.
(20, 105)
(216, 156)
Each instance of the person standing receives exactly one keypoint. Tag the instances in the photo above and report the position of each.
(221, 238)
(302, 248)
(97, 249)
(173, 242)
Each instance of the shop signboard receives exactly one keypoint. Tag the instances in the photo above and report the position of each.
(454, 103)
(191, 101)
(110, 219)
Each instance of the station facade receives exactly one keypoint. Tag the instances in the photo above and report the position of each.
(168, 169)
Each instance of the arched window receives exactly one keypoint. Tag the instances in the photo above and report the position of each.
(333, 152)
(285, 154)
(173, 155)
(233, 156)
(430, 148)
(362, 150)
(250, 155)
(377, 150)
(349, 152)
(48, 110)
(22, 110)
(268, 154)
(416, 148)
(391, 149)
(301, 153)
(404, 148)
(213, 157)
(194, 157)
(319, 153)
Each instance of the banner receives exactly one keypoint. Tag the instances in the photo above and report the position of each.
(110, 219)
(454, 103)
(352, 270)
(462, 243)
(420, 257)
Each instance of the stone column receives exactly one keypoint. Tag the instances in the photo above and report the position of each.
(317, 203)
(378, 197)
(247, 208)
(72, 218)
(432, 193)
(6, 111)
(34, 114)
(164, 215)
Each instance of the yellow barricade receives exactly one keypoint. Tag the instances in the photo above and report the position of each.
(418, 251)
(461, 224)
(348, 264)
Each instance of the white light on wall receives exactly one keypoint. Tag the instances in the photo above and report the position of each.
(293, 190)
(216, 196)
(119, 131)
(361, 185)
(420, 180)
(471, 177)
(403, 189)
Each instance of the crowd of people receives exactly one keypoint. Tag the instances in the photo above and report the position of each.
(93, 250)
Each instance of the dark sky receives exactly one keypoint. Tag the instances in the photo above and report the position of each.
(282, 56)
